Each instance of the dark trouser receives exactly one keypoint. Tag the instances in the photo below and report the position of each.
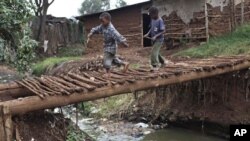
(109, 59)
(156, 58)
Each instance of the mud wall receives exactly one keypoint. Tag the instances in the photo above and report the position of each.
(182, 18)
(184, 9)
(187, 19)
(126, 20)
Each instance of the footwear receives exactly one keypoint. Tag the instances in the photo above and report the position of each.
(126, 66)
(166, 62)
(154, 69)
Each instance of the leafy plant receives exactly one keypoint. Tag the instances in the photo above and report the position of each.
(16, 46)
(25, 52)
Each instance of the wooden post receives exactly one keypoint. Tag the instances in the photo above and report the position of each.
(242, 11)
(206, 21)
(2, 132)
(6, 127)
(234, 17)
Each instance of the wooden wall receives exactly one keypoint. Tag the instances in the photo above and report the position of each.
(128, 21)
(59, 32)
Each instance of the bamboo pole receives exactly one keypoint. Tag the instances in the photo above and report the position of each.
(34, 103)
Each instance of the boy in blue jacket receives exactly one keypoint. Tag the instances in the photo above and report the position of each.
(156, 33)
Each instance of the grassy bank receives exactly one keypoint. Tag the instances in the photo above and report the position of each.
(65, 54)
(40, 68)
(234, 43)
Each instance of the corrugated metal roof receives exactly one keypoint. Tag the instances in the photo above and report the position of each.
(111, 10)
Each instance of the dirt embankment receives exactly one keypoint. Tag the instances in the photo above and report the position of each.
(45, 126)
(41, 126)
(208, 105)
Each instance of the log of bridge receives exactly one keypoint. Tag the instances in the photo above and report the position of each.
(16, 93)
(34, 103)
(13, 90)
(9, 86)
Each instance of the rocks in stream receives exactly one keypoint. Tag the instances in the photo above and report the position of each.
(118, 128)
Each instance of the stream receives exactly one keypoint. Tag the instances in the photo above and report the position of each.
(175, 134)
(108, 130)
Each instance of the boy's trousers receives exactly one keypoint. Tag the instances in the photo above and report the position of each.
(156, 58)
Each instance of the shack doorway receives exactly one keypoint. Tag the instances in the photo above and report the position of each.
(146, 27)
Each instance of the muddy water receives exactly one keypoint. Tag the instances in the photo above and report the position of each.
(105, 130)
(175, 134)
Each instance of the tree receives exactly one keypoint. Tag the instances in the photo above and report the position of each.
(120, 3)
(16, 46)
(93, 6)
(41, 9)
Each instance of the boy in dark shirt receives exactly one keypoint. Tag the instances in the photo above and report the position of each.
(156, 33)
(111, 38)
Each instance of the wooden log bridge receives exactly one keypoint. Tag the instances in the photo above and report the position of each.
(86, 83)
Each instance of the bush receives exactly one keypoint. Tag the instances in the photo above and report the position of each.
(16, 46)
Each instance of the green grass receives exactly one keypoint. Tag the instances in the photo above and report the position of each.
(65, 54)
(235, 43)
(40, 67)
(72, 50)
